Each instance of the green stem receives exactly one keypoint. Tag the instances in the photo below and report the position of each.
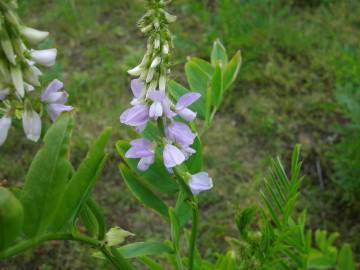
(121, 260)
(114, 257)
(194, 230)
(31, 243)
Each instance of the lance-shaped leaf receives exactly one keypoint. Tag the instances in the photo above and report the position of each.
(46, 180)
(142, 192)
(140, 249)
(79, 187)
(346, 261)
(156, 176)
(218, 54)
(217, 87)
(231, 71)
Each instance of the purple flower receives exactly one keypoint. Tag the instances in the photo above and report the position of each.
(136, 116)
(183, 103)
(180, 133)
(172, 156)
(55, 99)
(137, 87)
(5, 123)
(200, 182)
(157, 108)
(143, 149)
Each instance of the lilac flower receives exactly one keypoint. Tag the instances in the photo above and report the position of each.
(200, 182)
(172, 156)
(136, 116)
(180, 133)
(5, 123)
(44, 57)
(55, 99)
(158, 98)
(32, 125)
(183, 103)
(143, 149)
(3, 93)
(137, 87)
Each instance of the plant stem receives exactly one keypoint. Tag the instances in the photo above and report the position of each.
(114, 257)
(194, 230)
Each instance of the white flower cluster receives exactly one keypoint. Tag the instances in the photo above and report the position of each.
(20, 74)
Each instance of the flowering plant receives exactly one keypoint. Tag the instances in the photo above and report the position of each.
(163, 167)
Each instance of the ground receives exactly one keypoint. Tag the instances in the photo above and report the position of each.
(285, 94)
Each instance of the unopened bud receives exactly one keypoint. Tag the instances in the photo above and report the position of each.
(116, 236)
(136, 71)
(150, 75)
(17, 78)
(162, 83)
(156, 62)
(8, 50)
(34, 36)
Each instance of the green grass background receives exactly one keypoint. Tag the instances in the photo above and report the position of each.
(295, 55)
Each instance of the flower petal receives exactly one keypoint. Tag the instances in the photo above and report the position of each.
(187, 99)
(187, 114)
(54, 110)
(32, 125)
(137, 87)
(5, 123)
(172, 156)
(145, 163)
(53, 87)
(44, 57)
(200, 182)
(137, 115)
(180, 133)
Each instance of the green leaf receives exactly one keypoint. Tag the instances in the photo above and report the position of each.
(11, 218)
(217, 87)
(175, 229)
(218, 54)
(140, 249)
(156, 176)
(150, 263)
(244, 219)
(177, 90)
(205, 66)
(319, 260)
(197, 78)
(346, 261)
(227, 262)
(142, 192)
(46, 180)
(195, 162)
(183, 209)
(79, 188)
(231, 70)
(89, 220)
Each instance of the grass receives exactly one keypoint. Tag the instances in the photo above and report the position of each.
(285, 94)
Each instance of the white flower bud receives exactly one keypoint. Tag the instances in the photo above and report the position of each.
(17, 78)
(150, 75)
(157, 43)
(169, 18)
(146, 29)
(44, 57)
(32, 125)
(156, 62)
(166, 48)
(162, 83)
(136, 71)
(8, 50)
(152, 86)
(34, 36)
(5, 123)
(156, 24)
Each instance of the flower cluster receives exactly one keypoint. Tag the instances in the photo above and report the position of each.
(152, 102)
(20, 76)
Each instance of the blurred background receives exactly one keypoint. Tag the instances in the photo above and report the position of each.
(299, 83)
